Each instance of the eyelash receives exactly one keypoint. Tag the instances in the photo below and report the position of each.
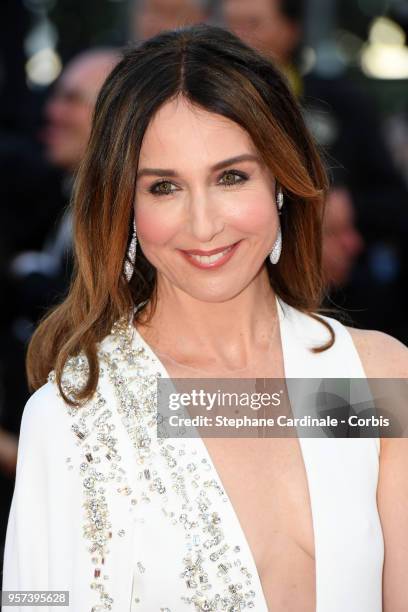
(241, 175)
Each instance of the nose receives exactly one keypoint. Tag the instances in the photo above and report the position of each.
(352, 242)
(54, 109)
(205, 216)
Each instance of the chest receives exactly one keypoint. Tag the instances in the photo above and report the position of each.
(266, 482)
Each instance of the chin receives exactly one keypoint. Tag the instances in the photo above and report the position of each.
(57, 158)
(214, 295)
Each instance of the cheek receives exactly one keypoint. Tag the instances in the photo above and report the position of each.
(254, 212)
(78, 124)
(154, 225)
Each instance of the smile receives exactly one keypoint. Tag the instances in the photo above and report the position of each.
(215, 259)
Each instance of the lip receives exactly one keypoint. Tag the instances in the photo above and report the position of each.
(50, 134)
(212, 252)
(215, 264)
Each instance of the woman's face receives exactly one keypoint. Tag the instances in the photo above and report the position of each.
(206, 224)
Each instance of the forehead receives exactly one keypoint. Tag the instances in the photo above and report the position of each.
(264, 7)
(184, 130)
(86, 74)
(169, 5)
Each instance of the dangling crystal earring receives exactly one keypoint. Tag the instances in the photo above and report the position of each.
(279, 200)
(131, 255)
(277, 247)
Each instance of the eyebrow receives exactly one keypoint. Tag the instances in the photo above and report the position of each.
(218, 166)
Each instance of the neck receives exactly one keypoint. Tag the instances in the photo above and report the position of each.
(228, 331)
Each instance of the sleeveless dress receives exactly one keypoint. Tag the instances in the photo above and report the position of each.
(342, 476)
(126, 522)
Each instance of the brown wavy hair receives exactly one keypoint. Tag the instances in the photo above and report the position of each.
(214, 69)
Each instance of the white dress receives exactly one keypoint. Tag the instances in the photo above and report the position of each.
(128, 522)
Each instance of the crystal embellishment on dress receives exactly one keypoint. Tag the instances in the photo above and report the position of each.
(98, 466)
(173, 475)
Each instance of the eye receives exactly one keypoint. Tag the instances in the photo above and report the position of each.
(161, 188)
(230, 182)
(156, 189)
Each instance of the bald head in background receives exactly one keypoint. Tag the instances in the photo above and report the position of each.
(70, 107)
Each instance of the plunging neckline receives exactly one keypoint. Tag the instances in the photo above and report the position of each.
(283, 335)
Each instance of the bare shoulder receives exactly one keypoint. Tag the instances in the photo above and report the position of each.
(382, 355)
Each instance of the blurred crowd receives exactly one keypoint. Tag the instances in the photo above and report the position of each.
(365, 249)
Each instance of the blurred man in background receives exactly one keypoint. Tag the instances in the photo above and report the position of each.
(344, 124)
(70, 107)
(68, 113)
(273, 27)
(36, 279)
(342, 242)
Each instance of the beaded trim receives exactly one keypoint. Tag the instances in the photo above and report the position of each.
(188, 500)
(98, 466)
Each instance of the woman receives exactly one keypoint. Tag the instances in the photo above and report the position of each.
(197, 229)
